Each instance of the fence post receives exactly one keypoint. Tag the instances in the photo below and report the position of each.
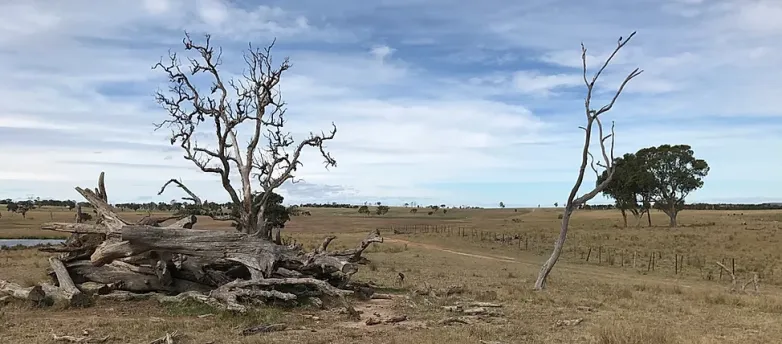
(676, 264)
(599, 255)
(733, 266)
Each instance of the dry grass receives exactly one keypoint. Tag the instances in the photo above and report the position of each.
(618, 305)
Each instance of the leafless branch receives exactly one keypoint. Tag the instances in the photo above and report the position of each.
(184, 188)
(253, 99)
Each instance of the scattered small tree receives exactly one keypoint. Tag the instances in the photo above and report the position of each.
(607, 153)
(363, 210)
(676, 173)
(502, 205)
(252, 105)
(556, 204)
(414, 210)
(382, 209)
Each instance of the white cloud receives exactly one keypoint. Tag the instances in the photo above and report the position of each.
(537, 83)
(456, 96)
(381, 52)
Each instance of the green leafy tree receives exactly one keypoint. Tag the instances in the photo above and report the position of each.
(382, 209)
(363, 210)
(676, 173)
(502, 205)
(631, 187)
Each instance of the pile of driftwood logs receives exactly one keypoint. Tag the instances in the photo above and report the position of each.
(226, 269)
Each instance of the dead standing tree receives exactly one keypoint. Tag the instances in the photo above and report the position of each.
(593, 119)
(251, 105)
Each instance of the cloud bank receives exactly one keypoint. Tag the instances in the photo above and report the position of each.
(435, 103)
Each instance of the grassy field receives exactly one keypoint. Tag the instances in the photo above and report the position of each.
(619, 303)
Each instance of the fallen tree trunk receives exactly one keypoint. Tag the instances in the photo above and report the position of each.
(260, 256)
(67, 290)
(140, 279)
(34, 294)
(230, 270)
(66, 297)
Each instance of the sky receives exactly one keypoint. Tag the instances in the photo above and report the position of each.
(455, 102)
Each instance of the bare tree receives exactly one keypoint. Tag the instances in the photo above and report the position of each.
(593, 119)
(250, 105)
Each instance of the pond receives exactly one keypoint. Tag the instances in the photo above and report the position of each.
(29, 242)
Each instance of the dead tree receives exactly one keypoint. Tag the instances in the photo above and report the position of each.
(252, 104)
(229, 270)
(593, 119)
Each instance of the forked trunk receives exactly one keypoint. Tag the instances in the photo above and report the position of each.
(638, 216)
(540, 283)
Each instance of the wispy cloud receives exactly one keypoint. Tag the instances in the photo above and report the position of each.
(434, 102)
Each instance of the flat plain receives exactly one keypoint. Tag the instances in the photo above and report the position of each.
(613, 285)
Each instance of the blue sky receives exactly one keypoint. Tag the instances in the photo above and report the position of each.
(436, 101)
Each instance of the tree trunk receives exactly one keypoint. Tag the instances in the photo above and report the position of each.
(277, 236)
(540, 283)
(624, 217)
(672, 215)
(649, 216)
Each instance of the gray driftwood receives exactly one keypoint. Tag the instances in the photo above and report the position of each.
(118, 259)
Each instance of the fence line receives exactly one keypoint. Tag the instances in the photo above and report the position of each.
(575, 250)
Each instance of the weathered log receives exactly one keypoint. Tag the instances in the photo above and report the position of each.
(326, 241)
(154, 221)
(81, 228)
(104, 210)
(230, 270)
(34, 294)
(133, 278)
(211, 272)
(186, 222)
(67, 290)
(76, 300)
(260, 256)
(93, 288)
(272, 289)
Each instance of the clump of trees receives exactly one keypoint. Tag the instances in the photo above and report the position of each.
(655, 177)
(380, 210)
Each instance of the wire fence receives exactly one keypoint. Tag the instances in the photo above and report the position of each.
(578, 250)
